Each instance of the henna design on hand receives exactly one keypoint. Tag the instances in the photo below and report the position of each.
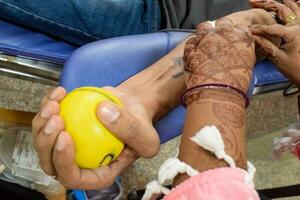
(232, 142)
(227, 111)
(229, 114)
(223, 55)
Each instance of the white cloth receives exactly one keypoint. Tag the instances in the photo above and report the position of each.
(167, 171)
(210, 139)
(173, 166)
(154, 188)
(213, 23)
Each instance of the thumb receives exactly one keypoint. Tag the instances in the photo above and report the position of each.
(141, 137)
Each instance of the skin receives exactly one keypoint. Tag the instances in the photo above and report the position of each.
(56, 149)
(286, 56)
(163, 82)
(225, 55)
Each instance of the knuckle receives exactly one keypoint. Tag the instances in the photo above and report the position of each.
(53, 104)
(57, 119)
(41, 144)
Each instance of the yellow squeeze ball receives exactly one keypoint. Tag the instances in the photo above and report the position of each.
(95, 145)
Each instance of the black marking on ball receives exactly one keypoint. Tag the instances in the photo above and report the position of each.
(110, 155)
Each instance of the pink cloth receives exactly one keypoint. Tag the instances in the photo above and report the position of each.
(296, 149)
(217, 184)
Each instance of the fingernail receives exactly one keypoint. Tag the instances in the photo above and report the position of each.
(54, 94)
(50, 127)
(46, 112)
(60, 144)
(109, 112)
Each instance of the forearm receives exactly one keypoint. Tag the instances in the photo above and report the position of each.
(160, 85)
(226, 111)
(227, 61)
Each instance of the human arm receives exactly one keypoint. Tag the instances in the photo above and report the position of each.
(224, 55)
(55, 147)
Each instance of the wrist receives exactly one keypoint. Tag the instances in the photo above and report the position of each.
(159, 86)
(159, 97)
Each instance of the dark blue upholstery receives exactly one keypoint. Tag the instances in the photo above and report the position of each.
(266, 74)
(18, 41)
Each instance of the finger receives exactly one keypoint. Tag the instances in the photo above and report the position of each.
(141, 137)
(73, 177)
(40, 119)
(45, 140)
(63, 160)
(204, 28)
(55, 95)
(293, 6)
(105, 176)
(283, 12)
(271, 51)
(275, 30)
(224, 21)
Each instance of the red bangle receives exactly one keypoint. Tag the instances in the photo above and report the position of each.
(213, 86)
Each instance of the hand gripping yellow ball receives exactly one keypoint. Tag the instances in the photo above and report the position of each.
(94, 144)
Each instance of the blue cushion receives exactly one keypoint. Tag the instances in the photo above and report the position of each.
(266, 74)
(18, 41)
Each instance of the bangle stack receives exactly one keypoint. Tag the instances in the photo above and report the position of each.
(212, 86)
